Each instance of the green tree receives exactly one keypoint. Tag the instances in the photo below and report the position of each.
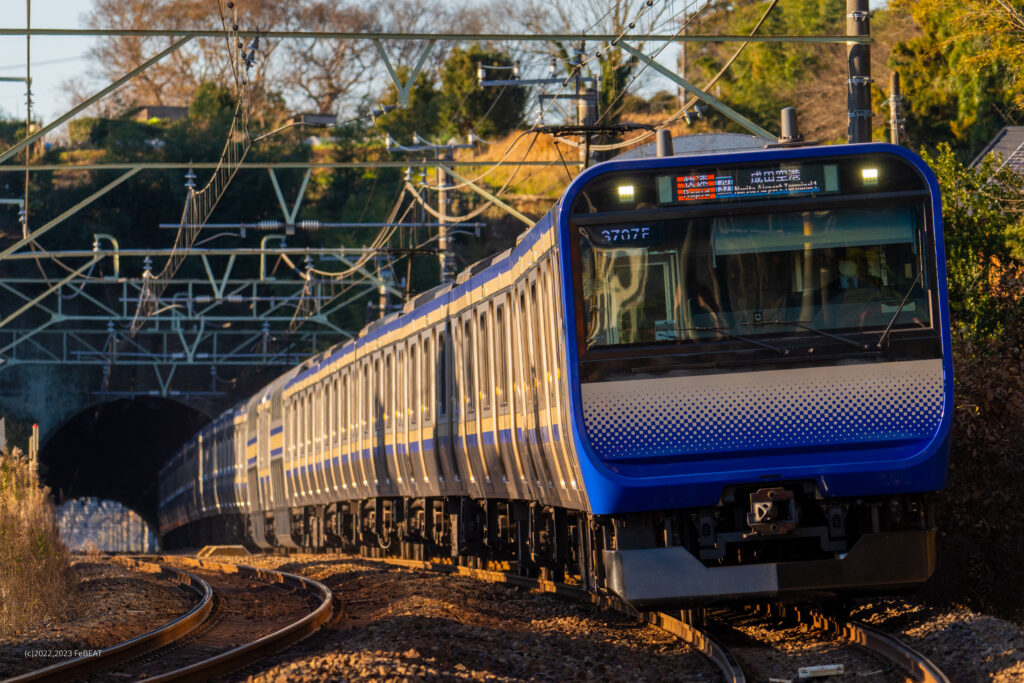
(984, 238)
(959, 75)
(765, 77)
(421, 116)
(467, 106)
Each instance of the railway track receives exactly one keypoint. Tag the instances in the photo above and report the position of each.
(894, 656)
(265, 610)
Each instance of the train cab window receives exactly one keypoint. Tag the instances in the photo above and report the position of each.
(705, 278)
(484, 350)
(500, 356)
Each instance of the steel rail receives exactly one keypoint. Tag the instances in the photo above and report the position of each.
(696, 638)
(253, 651)
(916, 665)
(479, 37)
(139, 645)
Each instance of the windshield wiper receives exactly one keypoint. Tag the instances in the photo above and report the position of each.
(777, 349)
(802, 325)
(892, 321)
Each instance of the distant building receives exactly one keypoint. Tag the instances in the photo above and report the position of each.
(1007, 145)
(159, 111)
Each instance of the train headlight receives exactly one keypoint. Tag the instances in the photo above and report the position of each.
(870, 176)
(627, 193)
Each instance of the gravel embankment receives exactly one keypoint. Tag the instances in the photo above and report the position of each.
(966, 645)
(400, 624)
(109, 604)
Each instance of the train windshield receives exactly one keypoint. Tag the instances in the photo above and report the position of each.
(702, 278)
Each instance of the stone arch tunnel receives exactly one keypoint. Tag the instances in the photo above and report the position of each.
(114, 451)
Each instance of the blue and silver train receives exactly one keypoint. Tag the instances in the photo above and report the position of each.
(697, 378)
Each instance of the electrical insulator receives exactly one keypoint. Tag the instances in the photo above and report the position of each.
(309, 225)
(515, 69)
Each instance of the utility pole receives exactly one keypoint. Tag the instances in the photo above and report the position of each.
(444, 256)
(858, 90)
(895, 109)
(584, 95)
(445, 153)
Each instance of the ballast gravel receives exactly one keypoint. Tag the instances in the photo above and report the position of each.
(109, 604)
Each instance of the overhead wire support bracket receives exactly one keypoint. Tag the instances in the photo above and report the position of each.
(455, 37)
(708, 98)
(491, 197)
(404, 88)
(88, 102)
(67, 214)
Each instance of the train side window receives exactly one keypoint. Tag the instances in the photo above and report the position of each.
(483, 367)
(343, 423)
(469, 390)
(442, 375)
(401, 389)
(388, 409)
(332, 425)
(426, 386)
(414, 385)
(500, 356)
(377, 400)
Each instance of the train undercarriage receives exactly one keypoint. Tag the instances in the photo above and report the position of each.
(780, 542)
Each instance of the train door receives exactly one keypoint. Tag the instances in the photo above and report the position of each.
(430, 454)
(464, 435)
(319, 436)
(414, 415)
(334, 451)
(544, 334)
(388, 418)
(560, 416)
(275, 446)
(487, 408)
(526, 422)
(446, 402)
(503, 427)
(401, 402)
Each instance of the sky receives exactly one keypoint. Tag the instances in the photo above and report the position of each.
(57, 60)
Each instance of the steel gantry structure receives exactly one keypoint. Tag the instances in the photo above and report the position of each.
(75, 306)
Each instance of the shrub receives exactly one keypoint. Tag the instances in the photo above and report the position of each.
(33, 560)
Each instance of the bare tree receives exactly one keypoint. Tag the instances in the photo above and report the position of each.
(323, 71)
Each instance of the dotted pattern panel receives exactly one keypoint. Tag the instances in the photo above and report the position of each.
(758, 410)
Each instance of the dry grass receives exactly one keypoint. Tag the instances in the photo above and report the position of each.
(33, 561)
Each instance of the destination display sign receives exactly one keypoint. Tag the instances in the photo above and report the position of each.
(706, 185)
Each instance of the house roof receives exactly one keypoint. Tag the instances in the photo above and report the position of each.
(1007, 145)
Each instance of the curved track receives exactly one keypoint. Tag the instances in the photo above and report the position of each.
(264, 609)
(132, 648)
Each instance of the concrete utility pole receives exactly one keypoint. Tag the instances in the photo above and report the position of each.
(895, 109)
(444, 255)
(858, 90)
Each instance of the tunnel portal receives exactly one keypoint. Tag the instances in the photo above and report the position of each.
(114, 451)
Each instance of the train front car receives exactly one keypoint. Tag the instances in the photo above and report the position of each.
(761, 370)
